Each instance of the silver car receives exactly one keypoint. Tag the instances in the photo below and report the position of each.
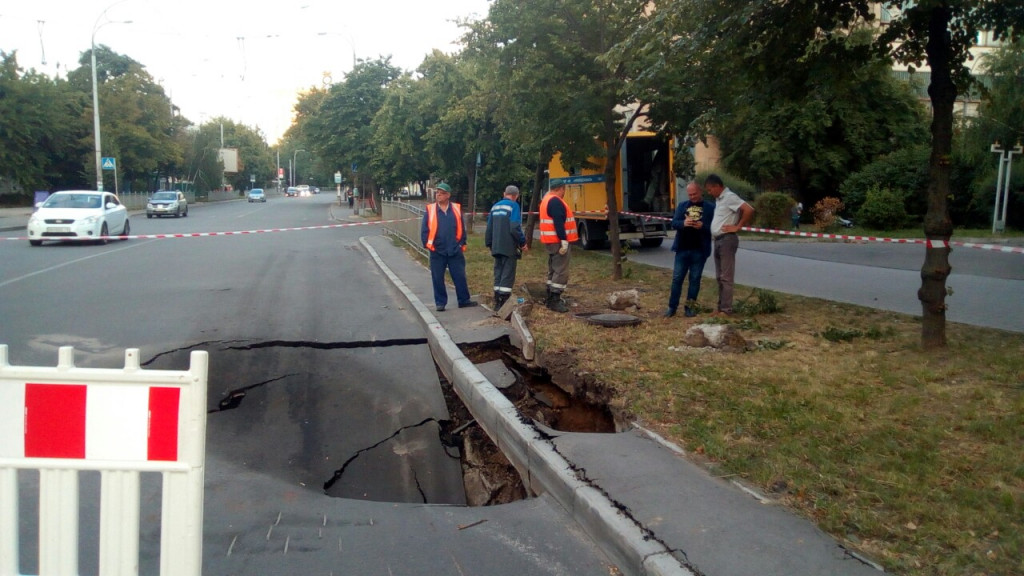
(167, 203)
(77, 214)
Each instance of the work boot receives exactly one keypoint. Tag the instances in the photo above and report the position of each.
(556, 303)
(499, 300)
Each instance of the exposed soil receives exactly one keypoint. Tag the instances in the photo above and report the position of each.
(562, 400)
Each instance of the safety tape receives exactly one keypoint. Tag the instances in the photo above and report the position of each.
(206, 234)
(927, 242)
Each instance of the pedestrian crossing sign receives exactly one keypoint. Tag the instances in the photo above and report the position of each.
(108, 163)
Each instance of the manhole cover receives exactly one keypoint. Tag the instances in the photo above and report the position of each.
(610, 320)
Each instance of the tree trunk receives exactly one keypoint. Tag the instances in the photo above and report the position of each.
(937, 225)
(612, 152)
(538, 191)
(471, 196)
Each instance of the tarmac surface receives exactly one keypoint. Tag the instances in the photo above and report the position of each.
(644, 504)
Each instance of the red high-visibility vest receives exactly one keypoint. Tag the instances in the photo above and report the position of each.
(547, 225)
(432, 224)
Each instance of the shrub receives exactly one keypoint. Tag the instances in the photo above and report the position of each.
(904, 170)
(883, 209)
(772, 209)
(825, 213)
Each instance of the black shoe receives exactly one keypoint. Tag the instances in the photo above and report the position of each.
(468, 304)
(669, 313)
(440, 308)
(690, 312)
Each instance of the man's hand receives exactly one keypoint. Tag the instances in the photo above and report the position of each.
(564, 248)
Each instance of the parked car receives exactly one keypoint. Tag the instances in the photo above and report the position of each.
(291, 191)
(167, 203)
(74, 214)
(257, 195)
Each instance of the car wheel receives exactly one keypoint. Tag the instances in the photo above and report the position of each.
(104, 232)
(127, 229)
(149, 215)
(35, 242)
(186, 211)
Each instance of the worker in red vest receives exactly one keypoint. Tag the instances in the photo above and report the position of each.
(557, 230)
(442, 234)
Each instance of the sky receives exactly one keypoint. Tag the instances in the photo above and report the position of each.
(246, 61)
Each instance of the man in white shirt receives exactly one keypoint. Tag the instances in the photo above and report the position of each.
(731, 214)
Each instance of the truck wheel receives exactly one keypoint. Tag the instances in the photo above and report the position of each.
(651, 242)
(590, 236)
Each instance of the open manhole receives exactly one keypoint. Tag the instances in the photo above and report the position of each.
(610, 320)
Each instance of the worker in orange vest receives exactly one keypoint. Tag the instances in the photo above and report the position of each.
(557, 230)
(443, 235)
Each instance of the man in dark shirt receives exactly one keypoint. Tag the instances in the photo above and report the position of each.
(692, 245)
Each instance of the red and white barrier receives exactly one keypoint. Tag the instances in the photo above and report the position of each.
(121, 422)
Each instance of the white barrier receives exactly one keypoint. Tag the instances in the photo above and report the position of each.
(120, 422)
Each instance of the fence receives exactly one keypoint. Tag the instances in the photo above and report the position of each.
(120, 422)
(410, 217)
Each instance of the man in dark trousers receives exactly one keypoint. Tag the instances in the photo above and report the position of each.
(557, 230)
(443, 235)
(504, 236)
(692, 245)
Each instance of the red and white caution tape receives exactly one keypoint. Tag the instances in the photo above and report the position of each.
(207, 234)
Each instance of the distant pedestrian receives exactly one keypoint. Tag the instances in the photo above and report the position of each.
(442, 233)
(795, 213)
(692, 246)
(504, 236)
(351, 199)
(731, 214)
(557, 230)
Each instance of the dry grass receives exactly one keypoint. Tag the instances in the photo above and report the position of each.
(915, 458)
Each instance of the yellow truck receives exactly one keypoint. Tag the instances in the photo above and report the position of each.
(645, 192)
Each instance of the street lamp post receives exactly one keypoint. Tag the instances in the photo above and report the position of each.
(1003, 185)
(96, 95)
(295, 166)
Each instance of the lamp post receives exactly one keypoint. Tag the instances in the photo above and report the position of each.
(96, 95)
(294, 165)
(1003, 186)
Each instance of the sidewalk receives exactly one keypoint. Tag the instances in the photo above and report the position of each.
(648, 507)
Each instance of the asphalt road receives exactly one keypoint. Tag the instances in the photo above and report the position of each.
(320, 379)
(987, 286)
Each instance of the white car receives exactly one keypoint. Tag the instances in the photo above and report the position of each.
(78, 214)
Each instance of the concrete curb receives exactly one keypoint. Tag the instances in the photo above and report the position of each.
(535, 456)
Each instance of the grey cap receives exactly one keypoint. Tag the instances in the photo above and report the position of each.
(511, 190)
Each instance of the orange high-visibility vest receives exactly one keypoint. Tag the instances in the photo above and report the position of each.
(547, 225)
(432, 224)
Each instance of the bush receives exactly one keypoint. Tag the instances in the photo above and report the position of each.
(904, 170)
(772, 210)
(883, 209)
(825, 213)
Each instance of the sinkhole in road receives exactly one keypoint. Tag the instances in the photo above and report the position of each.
(488, 476)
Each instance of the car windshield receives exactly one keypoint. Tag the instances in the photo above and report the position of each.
(74, 201)
(256, 192)
(165, 196)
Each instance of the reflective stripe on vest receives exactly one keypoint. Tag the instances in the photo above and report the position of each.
(547, 225)
(432, 224)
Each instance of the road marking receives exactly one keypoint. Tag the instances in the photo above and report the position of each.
(68, 263)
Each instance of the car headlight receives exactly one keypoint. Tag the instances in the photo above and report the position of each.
(90, 219)
(149, 206)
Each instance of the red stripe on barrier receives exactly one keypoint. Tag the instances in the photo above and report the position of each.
(55, 421)
(163, 424)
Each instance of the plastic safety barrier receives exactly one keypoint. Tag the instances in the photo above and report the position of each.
(120, 422)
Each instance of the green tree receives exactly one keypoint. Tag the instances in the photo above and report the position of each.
(136, 117)
(565, 81)
(41, 130)
(777, 38)
(338, 126)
